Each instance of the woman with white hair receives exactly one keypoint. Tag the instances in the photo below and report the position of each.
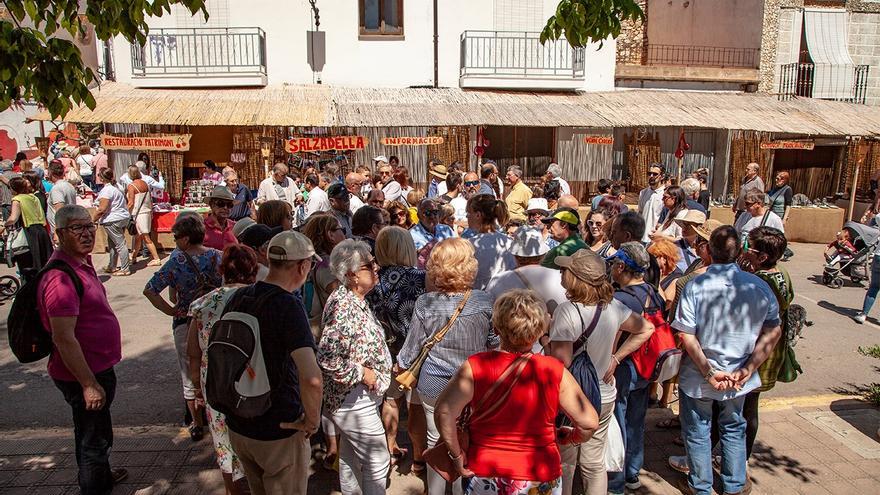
(356, 365)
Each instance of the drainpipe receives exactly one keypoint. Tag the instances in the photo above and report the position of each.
(436, 44)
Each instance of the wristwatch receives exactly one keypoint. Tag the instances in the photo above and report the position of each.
(709, 374)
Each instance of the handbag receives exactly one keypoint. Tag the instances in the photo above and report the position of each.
(18, 243)
(204, 285)
(438, 456)
(408, 378)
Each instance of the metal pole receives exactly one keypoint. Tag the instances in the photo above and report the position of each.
(436, 45)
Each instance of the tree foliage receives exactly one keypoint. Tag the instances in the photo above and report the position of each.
(586, 21)
(37, 66)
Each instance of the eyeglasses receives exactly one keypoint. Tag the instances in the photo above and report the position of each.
(431, 213)
(222, 203)
(384, 172)
(472, 183)
(79, 228)
(370, 265)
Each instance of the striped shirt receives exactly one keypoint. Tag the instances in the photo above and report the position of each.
(470, 333)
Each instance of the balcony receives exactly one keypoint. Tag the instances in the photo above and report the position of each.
(824, 81)
(518, 60)
(687, 63)
(199, 57)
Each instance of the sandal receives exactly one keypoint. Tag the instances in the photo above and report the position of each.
(418, 467)
(156, 262)
(397, 454)
(672, 423)
(121, 273)
(108, 270)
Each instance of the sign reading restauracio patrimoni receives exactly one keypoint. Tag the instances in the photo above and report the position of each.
(164, 142)
(338, 143)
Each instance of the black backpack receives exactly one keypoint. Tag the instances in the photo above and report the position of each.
(237, 383)
(28, 339)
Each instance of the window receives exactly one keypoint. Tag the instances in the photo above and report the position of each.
(381, 17)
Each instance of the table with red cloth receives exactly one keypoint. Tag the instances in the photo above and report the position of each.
(164, 220)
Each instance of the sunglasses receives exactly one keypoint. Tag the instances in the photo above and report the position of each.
(221, 203)
(384, 172)
(652, 174)
(401, 214)
(431, 213)
(591, 223)
(370, 265)
(472, 183)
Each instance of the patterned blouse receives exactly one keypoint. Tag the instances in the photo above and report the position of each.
(394, 298)
(352, 340)
(178, 273)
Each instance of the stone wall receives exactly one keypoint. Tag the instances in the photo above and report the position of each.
(864, 47)
(633, 39)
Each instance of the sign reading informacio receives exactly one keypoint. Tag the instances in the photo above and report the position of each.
(411, 141)
(338, 143)
(164, 142)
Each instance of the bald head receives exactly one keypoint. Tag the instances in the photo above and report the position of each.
(567, 201)
(353, 182)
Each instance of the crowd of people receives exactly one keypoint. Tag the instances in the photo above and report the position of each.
(486, 293)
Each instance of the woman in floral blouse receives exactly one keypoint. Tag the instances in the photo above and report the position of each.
(239, 268)
(356, 365)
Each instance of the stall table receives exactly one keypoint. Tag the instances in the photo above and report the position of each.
(805, 224)
(161, 229)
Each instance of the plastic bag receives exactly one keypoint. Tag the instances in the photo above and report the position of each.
(615, 451)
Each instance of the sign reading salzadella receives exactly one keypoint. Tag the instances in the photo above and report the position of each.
(338, 143)
(164, 142)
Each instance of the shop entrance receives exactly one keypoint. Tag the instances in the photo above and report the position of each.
(532, 148)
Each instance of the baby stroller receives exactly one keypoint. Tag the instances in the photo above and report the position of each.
(837, 266)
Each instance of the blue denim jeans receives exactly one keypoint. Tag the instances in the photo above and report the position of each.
(629, 410)
(696, 426)
(93, 434)
(874, 288)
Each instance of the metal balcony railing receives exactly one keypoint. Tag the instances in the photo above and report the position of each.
(688, 56)
(519, 54)
(201, 51)
(824, 81)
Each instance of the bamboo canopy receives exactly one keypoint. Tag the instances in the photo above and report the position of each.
(325, 106)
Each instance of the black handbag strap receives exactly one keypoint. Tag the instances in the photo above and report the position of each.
(582, 340)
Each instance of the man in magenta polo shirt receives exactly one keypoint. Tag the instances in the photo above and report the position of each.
(218, 226)
(84, 349)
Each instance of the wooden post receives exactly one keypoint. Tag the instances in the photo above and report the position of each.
(855, 181)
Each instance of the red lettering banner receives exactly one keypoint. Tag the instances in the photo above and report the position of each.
(338, 143)
(165, 142)
(599, 139)
(411, 141)
(788, 145)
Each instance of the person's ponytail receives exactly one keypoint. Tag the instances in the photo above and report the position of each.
(499, 211)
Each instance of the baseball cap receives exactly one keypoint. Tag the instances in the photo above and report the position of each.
(538, 204)
(696, 217)
(380, 158)
(258, 235)
(585, 265)
(291, 246)
(242, 225)
(220, 192)
(705, 230)
(528, 243)
(564, 214)
(337, 190)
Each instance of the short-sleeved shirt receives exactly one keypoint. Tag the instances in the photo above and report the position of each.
(567, 247)
(97, 331)
(62, 192)
(567, 327)
(177, 273)
(242, 208)
(492, 250)
(217, 236)
(746, 223)
(754, 184)
(725, 308)
(117, 209)
(422, 237)
(284, 328)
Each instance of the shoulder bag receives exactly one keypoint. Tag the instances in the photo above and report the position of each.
(204, 285)
(438, 456)
(408, 378)
(132, 224)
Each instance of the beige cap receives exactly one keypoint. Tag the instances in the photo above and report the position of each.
(696, 217)
(705, 230)
(221, 192)
(585, 265)
(242, 225)
(291, 246)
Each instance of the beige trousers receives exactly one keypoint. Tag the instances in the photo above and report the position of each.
(591, 458)
(276, 467)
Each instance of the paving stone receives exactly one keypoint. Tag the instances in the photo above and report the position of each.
(848, 470)
(61, 477)
(30, 478)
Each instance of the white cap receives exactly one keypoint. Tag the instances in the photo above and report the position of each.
(291, 246)
(528, 243)
(381, 158)
(538, 204)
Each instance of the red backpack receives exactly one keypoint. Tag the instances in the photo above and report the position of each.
(653, 354)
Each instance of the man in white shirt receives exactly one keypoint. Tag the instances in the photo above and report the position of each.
(278, 186)
(390, 187)
(651, 199)
(353, 183)
(554, 172)
(123, 181)
(318, 200)
(529, 249)
(756, 215)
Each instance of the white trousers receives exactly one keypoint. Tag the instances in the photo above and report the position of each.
(364, 459)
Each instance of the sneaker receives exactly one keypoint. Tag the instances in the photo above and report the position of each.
(679, 463)
(119, 475)
(633, 485)
(859, 317)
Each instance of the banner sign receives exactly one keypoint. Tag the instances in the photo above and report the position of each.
(164, 142)
(339, 143)
(788, 145)
(411, 141)
(599, 139)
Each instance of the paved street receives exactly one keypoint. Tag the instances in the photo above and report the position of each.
(814, 438)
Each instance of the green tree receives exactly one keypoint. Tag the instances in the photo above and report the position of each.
(37, 66)
(586, 21)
